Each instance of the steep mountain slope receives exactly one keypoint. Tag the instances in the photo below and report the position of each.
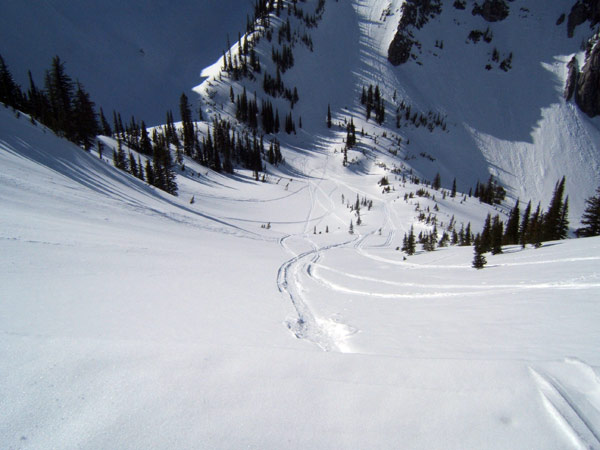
(512, 123)
(133, 319)
(130, 318)
(135, 57)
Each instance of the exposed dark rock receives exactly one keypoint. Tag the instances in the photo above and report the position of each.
(400, 47)
(415, 14)
(492, 10)
(571, 84)
(587, 95)
(582, 11)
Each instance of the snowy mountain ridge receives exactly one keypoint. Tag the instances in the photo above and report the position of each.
(274, 308)
(513, 124)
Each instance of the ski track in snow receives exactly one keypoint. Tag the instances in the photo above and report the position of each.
(569, 410)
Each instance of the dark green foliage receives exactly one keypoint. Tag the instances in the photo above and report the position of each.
(591, 217)
(555, 223)
(10, 92)
(511, 236)
(328, 116)
(496, 235)
(479, 260)
(350, 134)
(485, 238)
(189, 135)
(373, 102)
(491, 193)
(437, 182)
(105, 127)
(453, 192)
(85, 123)
(59, 89)
(409, 245)
(524, 228)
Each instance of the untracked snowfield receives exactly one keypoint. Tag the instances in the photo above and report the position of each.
(253, 319)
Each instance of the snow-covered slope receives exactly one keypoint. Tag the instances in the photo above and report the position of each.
(130, 318)
(133, 319)
(512, 124)
(136, 57)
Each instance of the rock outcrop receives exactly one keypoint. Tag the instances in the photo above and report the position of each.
(572, 78)
(492, 10)
(587, 94)
(415, 14)
(581, 12)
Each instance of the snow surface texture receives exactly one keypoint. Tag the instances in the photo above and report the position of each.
(135, 57)
(132, 319)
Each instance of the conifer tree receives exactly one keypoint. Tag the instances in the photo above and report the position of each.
(85, 123)
(189, 136)
(437, 181)
(10, 92)
(485, 239)
(453, 192)
(104, 125)
(328, 116)
(479, 260)
(511, 235)
(553, 223)
(591, 217)
(524, 229)
(497, 233)
(59, 88)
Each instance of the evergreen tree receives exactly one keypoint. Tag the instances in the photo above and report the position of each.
(485, 239)
(534, 231)
(145, 144)
(512, 226)
(453, 193)
(10, 92)
(497, 232)
(552, 226)
(479, 260)
(591, 217)
(189, 136)
(328, 116)
(411, 243)
(59, 88)
(85, 123)
(104, 125)
(524, 229)
(437, 181)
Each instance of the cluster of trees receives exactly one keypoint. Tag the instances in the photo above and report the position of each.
(246, 110)
(373, 101)
(270, 118)
(275, 88)
(63, 105)
(284, 60)
(591, 217)
(491, 192)
(431, 120)
(528, 228)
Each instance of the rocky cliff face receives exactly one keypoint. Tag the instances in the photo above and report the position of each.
(492, 10)
(572, 78)
(587, 94)
(415, 14)
(584, 85)
(581, 12)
